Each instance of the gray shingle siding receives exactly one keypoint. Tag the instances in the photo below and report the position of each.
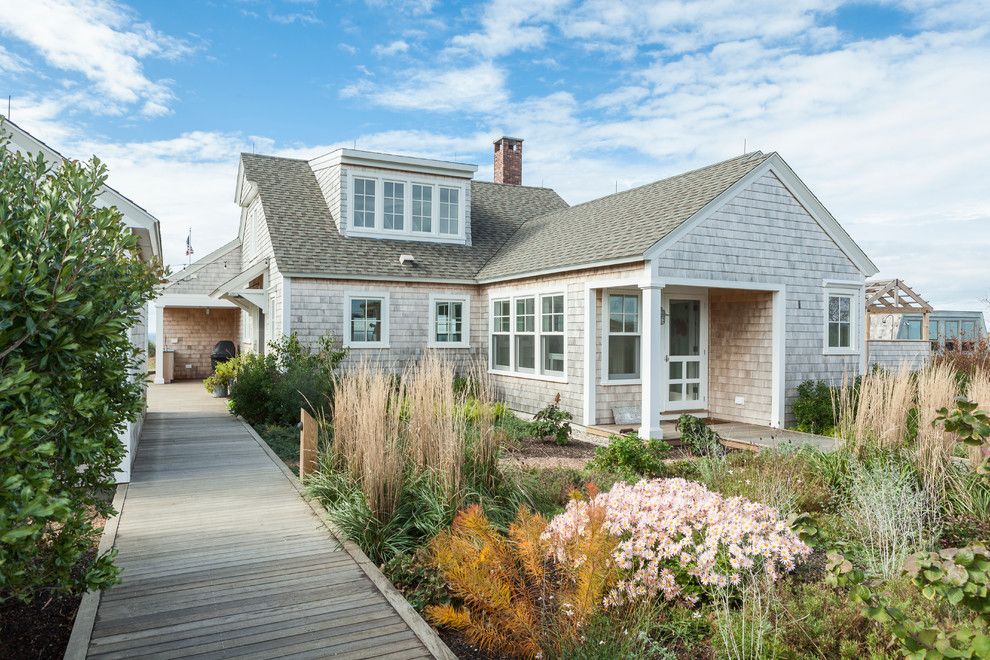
(764, 235)
(207, 278)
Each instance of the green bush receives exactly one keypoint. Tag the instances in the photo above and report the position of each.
(813, 409)
(271, 388)
(631, 456)
(701, 438)
(71, 284)
(552, 423)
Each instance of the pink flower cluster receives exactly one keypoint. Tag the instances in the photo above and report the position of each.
(676, 537)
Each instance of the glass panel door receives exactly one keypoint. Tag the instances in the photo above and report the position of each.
(685, 353)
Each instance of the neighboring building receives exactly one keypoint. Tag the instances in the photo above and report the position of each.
(146, 227)
(715, 292)
(888, 304)
(946, 329)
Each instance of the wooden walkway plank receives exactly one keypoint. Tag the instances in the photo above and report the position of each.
(222, 557)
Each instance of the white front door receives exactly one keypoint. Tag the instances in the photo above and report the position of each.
(685, 343)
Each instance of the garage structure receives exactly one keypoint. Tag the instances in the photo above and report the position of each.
(189, 322)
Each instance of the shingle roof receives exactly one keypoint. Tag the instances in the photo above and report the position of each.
(306, 240)
(514, 229)
(625, 224)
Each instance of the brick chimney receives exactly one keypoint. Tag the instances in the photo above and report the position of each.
(508, 161)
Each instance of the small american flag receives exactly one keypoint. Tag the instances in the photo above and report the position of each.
(189, 249)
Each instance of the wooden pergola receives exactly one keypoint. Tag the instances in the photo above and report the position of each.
(895, 297)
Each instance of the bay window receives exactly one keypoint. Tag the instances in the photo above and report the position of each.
(623, 332)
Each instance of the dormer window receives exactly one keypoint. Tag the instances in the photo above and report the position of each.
(364, 203)
(422, 208)
(449, 210)
(395, 205)
(407, 206)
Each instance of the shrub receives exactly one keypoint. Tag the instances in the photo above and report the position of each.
(813, 408)
(272, 388)
(888, 515)
(631, 457)
(552, 423)
(677, 539)
(71, 284)
(701, 438)
(495, 578)
(223, 375)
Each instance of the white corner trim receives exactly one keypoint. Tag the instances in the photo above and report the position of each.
(465, 300)
(778, 339)
(286, 306)
(384, 296)
(588, 392)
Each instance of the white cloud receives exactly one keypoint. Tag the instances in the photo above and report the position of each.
(393, 48)
(509, 25)
(100, 40)
(477, 89)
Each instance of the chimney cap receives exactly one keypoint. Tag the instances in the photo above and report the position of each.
(506, 138)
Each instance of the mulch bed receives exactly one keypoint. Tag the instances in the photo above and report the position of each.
(39, 628)
(536, 448)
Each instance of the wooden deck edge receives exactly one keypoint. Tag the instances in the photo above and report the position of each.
(427, 635)
(82, 628)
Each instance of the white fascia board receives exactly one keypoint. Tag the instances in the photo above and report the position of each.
(562, 269)
(376, 278)
(798, 189)
(190, 300)
(241, 279)
(359, 158)
(203, 261)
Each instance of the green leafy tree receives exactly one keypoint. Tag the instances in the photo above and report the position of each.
(71, 284)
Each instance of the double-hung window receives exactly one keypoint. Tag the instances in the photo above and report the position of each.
(841, 321)
(449, 321)
(623, 327)
(502, 334)
(449, 210)
(422, 208)
(528, 335)
(366, 320)
(364, 203)
(394, 197)
(552, 334)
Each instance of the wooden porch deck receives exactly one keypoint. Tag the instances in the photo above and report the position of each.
(221, 556)
(735, 435)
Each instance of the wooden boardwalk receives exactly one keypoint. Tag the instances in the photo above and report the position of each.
(222, 558)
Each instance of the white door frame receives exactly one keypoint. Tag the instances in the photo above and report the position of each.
(702, 402)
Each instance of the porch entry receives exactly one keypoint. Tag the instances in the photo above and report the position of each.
(684, 341)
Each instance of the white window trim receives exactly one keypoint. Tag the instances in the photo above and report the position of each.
(605, 379)
(853, 292)
(465, 301)
(537, 373)
(407, 233)
(382, 295)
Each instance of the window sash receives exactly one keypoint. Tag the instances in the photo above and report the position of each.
(364, 202)
(448, 323)
(528, 334)
(394, 205)
(839, 321)
(422, 208)
(449, 215)
(622, 329)
(367, 319)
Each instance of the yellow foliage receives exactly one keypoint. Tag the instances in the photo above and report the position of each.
(525, 534)
(482, 569)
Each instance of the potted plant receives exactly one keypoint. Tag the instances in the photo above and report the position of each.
(218, 383)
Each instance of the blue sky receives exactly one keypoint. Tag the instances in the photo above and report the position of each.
(882, 108)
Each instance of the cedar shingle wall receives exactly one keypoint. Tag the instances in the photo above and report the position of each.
(740, 354)
(196, 333)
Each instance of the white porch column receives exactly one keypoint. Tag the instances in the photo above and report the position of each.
(159, 344)
(778, 342)
(651, 361)
(590, 365)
